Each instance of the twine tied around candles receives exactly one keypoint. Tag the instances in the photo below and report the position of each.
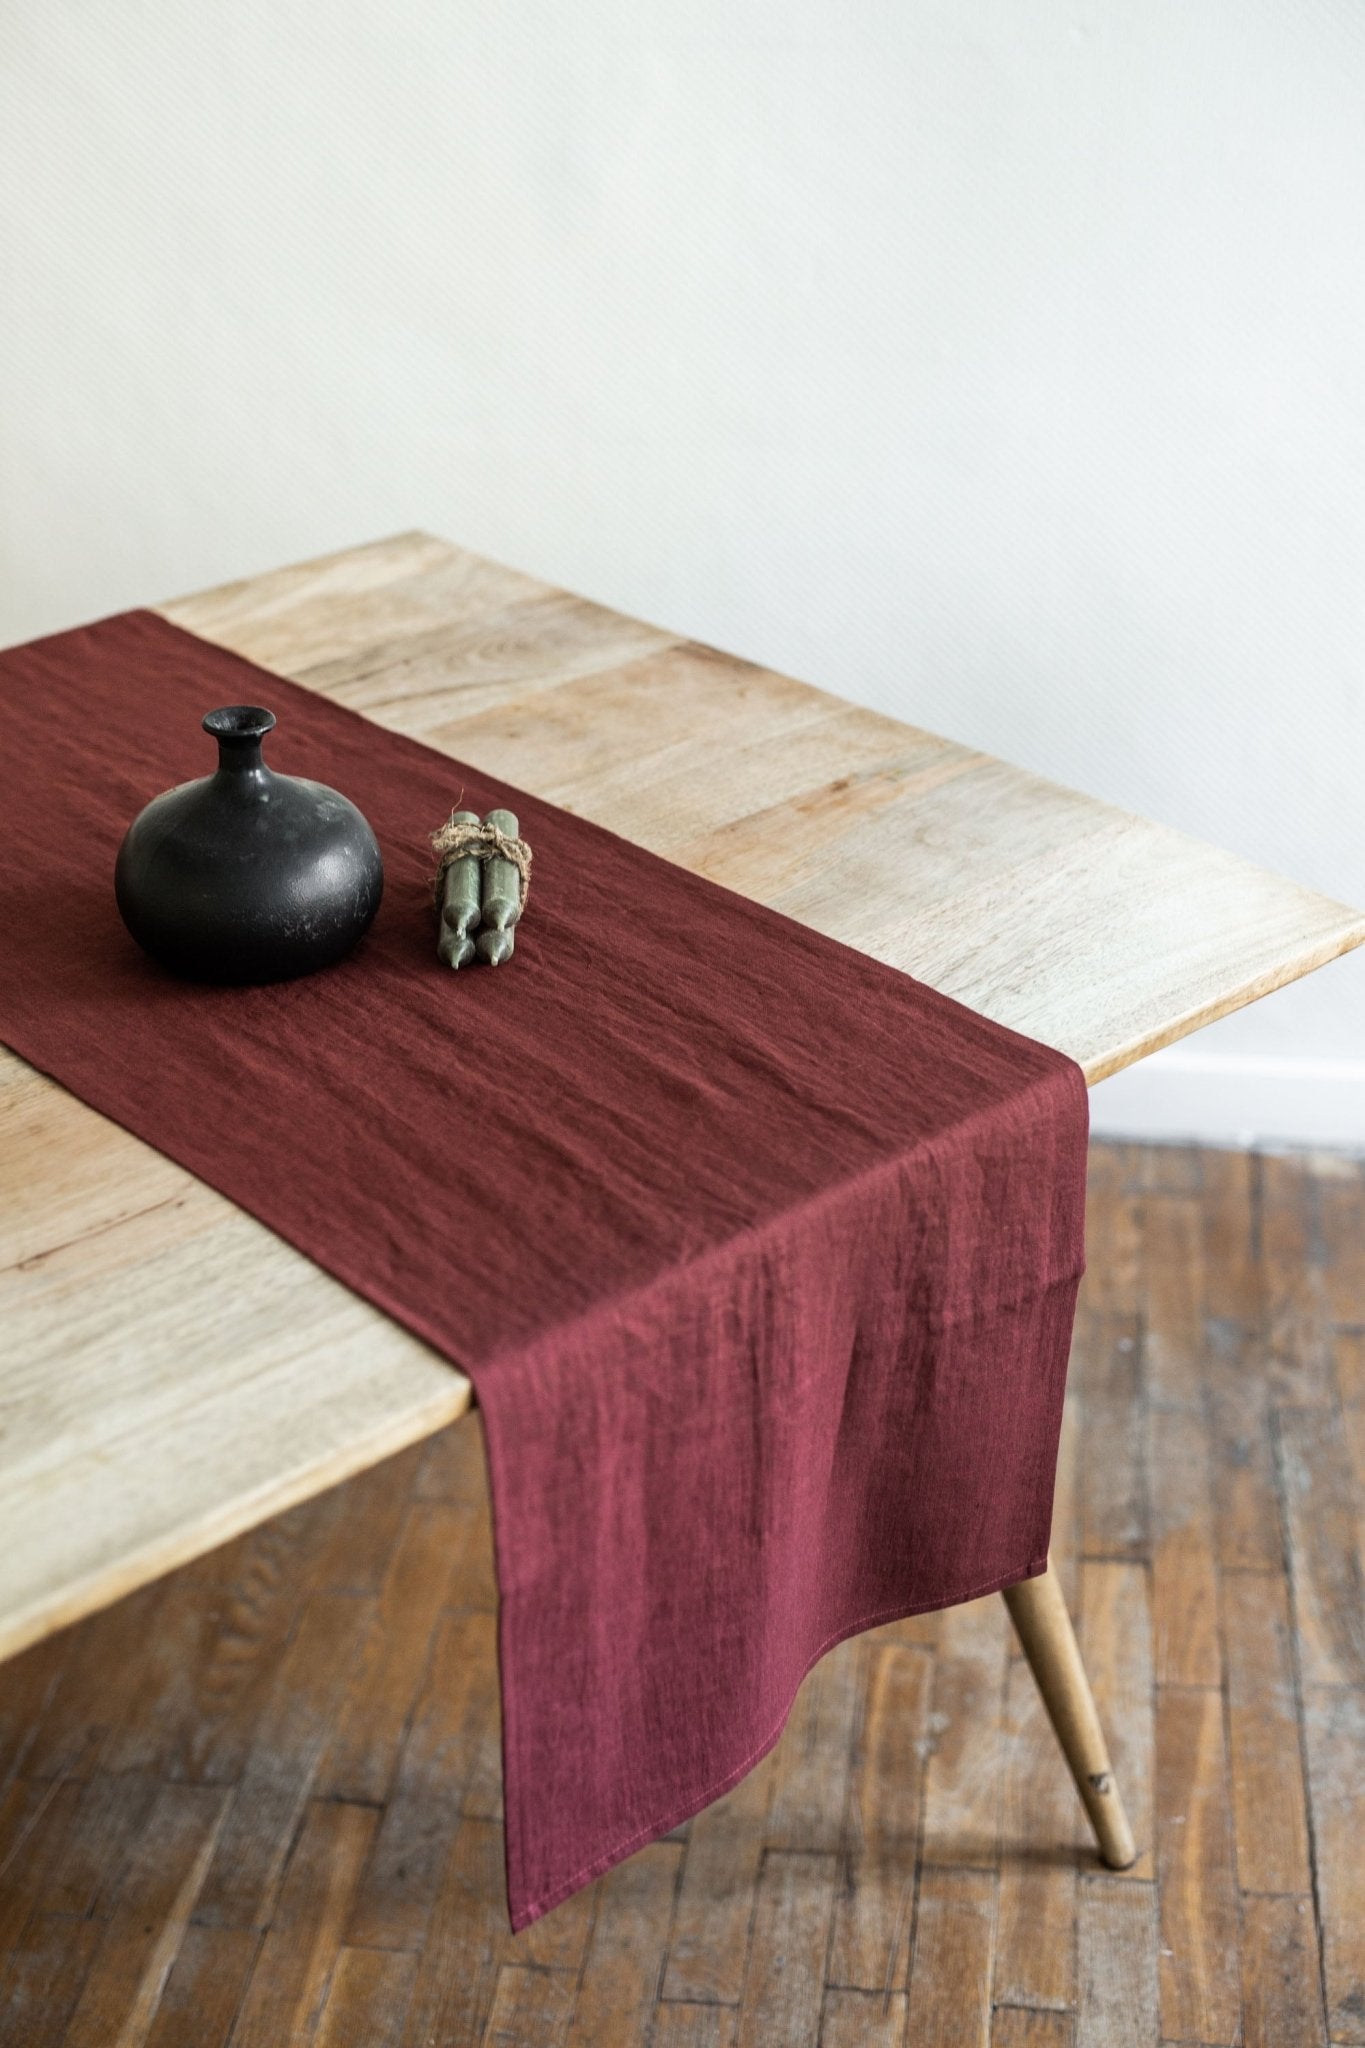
(456, 841)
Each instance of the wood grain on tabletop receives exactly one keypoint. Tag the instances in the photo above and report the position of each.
(259, 1802)
(149, 1409)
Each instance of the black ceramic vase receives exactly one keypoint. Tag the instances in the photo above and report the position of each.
(247, 875)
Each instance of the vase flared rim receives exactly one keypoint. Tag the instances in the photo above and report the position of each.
(239, 722)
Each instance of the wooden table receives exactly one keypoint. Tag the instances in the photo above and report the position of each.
(149, 1408)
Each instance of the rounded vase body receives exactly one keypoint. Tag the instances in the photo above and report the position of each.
(246, 875)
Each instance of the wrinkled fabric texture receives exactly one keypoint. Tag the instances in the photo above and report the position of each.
(761, 1256)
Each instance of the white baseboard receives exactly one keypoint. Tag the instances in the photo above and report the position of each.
(1234, 1099)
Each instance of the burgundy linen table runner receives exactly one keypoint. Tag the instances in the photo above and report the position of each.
(761, 1256)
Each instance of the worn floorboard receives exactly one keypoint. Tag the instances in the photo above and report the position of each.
(260, 1802)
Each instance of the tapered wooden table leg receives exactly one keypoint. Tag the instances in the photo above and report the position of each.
(1039, 1614)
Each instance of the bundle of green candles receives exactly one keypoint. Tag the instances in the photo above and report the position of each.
(482, 884)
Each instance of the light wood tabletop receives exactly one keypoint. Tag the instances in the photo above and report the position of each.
(149, 1408)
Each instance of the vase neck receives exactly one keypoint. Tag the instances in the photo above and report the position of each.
(239, 730)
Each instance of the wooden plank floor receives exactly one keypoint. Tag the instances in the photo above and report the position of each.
(258, 1802)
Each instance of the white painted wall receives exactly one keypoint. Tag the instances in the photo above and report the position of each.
(1000, 365)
